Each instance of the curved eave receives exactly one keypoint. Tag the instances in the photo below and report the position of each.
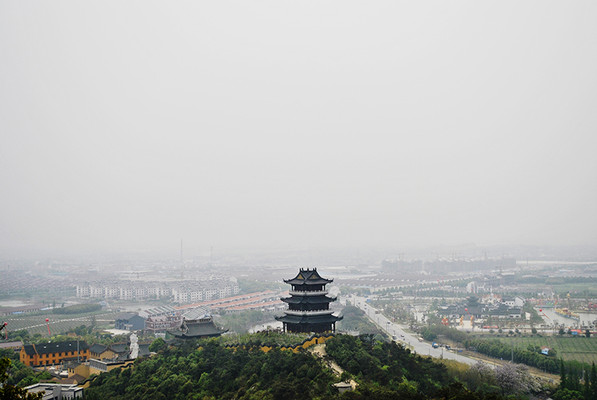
(298, 282)
(307, 300)
(318, 319)
(185, 336)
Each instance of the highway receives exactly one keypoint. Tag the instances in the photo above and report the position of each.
(411, 341)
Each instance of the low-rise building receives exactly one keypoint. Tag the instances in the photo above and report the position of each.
(516, 301)
(162, 323)
(97, 366)
(129, 322)
(101, 352)
(56, 391)
(16, 345)
(35, 355)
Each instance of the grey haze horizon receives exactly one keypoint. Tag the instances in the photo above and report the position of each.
(127, 126)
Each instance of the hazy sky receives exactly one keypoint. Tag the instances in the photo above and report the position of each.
(133, 124)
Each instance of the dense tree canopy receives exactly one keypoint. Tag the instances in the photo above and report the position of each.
(12, 392)
(215, 372)
(210, 370)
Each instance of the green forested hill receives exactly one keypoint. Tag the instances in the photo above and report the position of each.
(209, 370)
(216, 372)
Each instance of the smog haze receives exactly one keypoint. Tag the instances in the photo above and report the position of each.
(131, 125)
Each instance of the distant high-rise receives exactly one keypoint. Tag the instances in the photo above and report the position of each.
(308, 304)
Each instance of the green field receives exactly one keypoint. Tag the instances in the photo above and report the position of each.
(36, 323)
(581, 349)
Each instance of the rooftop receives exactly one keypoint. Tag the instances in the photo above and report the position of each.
(308, 277)
(196, 313)
(312, 319)
(190, 330)
(98, 348)
(308, 299)
(49, 348)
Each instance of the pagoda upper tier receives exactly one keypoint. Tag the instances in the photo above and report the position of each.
(308, 277)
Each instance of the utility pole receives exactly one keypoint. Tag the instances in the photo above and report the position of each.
(181, 261)
(512, 360)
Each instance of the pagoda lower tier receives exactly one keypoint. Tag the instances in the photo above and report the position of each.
(308, 303)
(309, 322)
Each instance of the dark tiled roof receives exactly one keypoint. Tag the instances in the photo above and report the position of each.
(125, 316)
(75, 379)
(308, 299)
(315, 319)
(59, 347)
(190, 330)
(144, 349)
(98, 348)
(308, 277)
(119, 347)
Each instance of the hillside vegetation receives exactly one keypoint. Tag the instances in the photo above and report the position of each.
(384, 370)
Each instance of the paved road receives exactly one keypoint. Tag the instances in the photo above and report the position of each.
(425, 348)
(409, 339)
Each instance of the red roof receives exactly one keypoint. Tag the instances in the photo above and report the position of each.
(227, 302)
(255, 305)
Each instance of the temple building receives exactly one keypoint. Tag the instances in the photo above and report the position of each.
(197, 324)
(35, 355)
(308, 304)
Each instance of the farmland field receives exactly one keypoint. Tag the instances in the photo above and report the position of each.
(581, 349)
(36, 323)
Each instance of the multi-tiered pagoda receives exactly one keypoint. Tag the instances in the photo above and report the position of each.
(308, 304)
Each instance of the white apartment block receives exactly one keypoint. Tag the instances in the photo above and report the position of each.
(179, 292)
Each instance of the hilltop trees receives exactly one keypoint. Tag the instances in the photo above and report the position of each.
(513, 378)
(214, 371)
(575, 385)
(157, 345)
(11, 392)
(383, 370)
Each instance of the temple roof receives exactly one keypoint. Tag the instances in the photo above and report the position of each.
(308, 299)
(98, 348)
(308, 277)
(311, 319)
(194, 329)
(119, 348)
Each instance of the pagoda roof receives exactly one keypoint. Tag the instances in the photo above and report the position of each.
(311, 319)
(308, 299)
(308, 277)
